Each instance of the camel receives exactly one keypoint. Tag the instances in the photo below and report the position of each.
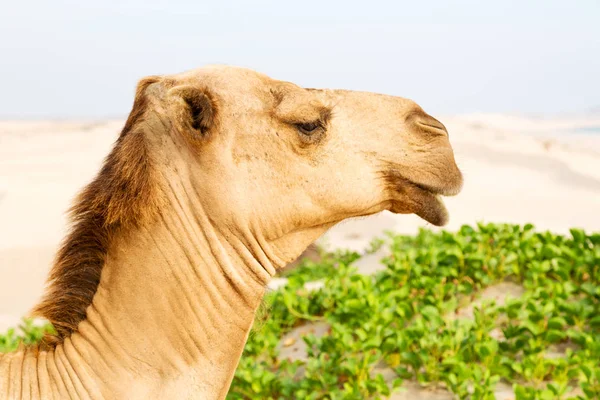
(220, 177)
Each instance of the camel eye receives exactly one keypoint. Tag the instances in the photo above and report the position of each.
(308, 128)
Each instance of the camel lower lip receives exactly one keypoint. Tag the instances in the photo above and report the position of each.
(424, 203)
(434, 211)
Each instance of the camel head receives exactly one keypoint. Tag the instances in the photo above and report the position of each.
(220, 176)
(270, 158)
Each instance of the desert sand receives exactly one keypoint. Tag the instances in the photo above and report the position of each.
(517, 169)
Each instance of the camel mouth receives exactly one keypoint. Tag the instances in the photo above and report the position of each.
(424, 200)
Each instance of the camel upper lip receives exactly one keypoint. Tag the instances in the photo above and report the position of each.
(448, 191)
(426, 188)
(450, 188)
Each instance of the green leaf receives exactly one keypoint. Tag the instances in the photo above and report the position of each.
(557, 323)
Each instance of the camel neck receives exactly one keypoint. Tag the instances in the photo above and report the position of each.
(180, 297)
(170, 318)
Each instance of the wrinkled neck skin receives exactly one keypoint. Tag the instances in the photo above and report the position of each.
(170, 318)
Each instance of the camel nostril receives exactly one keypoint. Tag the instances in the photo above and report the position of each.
(431, 126)
(426, 122)
(435, 125)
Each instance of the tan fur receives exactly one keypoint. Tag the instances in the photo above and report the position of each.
(219, 178)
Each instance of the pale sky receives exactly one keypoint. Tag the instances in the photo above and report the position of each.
(75, 58)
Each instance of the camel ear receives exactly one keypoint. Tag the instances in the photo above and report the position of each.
(198, 109)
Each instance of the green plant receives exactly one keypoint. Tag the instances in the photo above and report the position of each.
(404, 318)
(27, 333)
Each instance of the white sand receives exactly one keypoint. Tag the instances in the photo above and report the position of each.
(517, 169)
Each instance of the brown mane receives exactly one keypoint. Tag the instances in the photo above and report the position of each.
(122, 194)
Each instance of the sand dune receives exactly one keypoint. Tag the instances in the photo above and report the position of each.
(517, 169)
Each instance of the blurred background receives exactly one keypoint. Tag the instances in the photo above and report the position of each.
(68, 58)
(515, 82)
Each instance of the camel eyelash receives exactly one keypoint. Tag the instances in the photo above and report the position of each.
(308, 128)
(310, 133)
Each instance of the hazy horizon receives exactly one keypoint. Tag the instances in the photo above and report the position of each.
(66, 59)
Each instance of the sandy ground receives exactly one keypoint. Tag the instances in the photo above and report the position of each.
(517, 169)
